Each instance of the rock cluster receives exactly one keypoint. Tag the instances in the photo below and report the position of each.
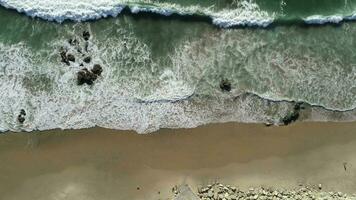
(219, 191)
(84, 76)
(21, 117)
(88, 77)
(66, 57)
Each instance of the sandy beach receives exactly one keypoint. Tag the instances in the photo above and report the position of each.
(108, 164)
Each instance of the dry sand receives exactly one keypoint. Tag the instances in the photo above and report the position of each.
(105, 164)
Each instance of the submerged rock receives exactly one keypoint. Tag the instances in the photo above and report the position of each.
(86, 76)
(97, 69)
(86, 46)
(73, 42)
(225, 85)
(71, 57)
(64, 57)
(21, 119)
(23, 112)
(86, 35)
(87, 59)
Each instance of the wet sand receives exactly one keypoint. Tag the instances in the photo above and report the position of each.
(107, 164)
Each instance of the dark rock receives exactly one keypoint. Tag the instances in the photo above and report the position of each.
(85, 76)
(291, 118)
(79, 50)
(73, 42)
(225, 85)
(71, 57)
(64, 57)
(81, 64)
(23, 112)
(86, 35)
(87, 59)
(21, 119)
(86, 46)
(299, 106)
(97, 69)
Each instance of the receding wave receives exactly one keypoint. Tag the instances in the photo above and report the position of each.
(234, 13)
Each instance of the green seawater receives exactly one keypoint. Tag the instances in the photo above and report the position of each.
(171, 68)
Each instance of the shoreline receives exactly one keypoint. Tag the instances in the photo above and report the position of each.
(109, 164)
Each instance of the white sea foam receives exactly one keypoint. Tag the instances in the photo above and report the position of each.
(320, 19)
(135, 93)
(248, 14)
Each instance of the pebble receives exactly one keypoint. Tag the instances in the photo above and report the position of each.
(219, 191)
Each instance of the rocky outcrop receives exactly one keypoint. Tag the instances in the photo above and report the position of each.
(290, 118)
(64, 57)
(86, 76)
(294, 115)
(71, 57)
(73, 42)
(86, 35)
(97, 69)
(87, 59)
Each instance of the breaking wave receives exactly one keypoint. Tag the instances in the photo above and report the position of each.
(237, 13)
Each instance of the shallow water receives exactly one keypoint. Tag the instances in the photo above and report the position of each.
(165, 71)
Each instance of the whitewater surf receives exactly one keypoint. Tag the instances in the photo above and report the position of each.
(165, 72)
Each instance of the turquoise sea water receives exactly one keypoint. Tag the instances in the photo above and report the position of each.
(165, 71)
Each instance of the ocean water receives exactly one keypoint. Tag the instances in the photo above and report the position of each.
(163, 62)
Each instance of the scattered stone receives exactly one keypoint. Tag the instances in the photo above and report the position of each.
(71, 57)
(87, 59)
(64, 57)
(85, 76)
(21, 119)
(97, 69)
(23, 112)
(86, 46)
(304, 193)
(225, 85)
(86, 35)
(73, 42)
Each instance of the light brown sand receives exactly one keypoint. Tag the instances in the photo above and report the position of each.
(105, 164)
